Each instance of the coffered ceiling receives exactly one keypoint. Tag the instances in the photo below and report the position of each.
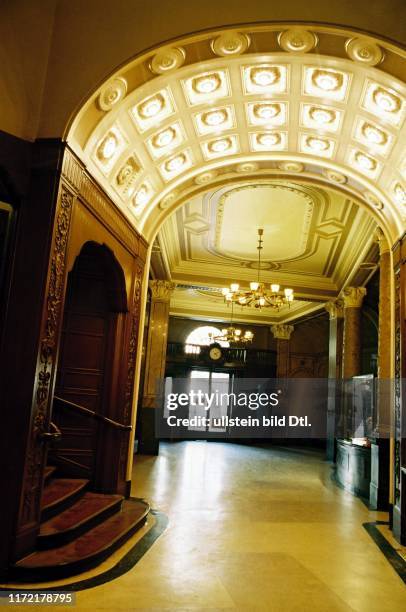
(254, 102)
(314, 240)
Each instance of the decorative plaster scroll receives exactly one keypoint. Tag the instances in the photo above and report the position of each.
(297, 40)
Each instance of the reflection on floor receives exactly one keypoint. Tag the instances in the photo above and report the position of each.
(251, 528)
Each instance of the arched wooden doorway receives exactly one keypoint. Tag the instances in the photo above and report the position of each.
(86, 404)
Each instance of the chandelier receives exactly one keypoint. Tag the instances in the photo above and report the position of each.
(232, 334)
(258, 295)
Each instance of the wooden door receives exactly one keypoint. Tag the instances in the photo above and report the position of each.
(85, 364)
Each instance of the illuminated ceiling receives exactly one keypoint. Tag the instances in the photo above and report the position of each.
(314, 239)
(259, 102)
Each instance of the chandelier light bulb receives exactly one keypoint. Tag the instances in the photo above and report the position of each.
(224, 291)
(229, 297)
(238, 332)
(288, 292)
(242, 300)
(275, 288)
(262, 301)
(254, 286)
(234, 287)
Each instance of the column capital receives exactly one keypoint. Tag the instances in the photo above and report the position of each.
(335, 309)
(382, 242)
(161, 289)
(282, 332)
(353, 296)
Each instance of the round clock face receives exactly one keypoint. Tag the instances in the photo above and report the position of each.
(215, 353)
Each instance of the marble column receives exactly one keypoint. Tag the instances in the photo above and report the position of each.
(352, 297)
(380, 447)
(335, 310)
(282, 334)
(155, 361)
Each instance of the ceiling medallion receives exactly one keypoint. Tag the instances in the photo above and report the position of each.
(142, 196)
(247, 167)
(264, 76)
(230, 43)
(215, 117)
(167, 60)
(373, 200)
(365, 162)
(164, 138)
(327, 80)
(258, 295)
(374, 135)
(151, 107)
(269, 139)
(220, 145)
(317, 144)
(168, 200)
(107, 147)
(321, 116)
(266, 111)
(297, 40)
(112, 93)
(207, 83)
(205, 177)
(175, 163)
(364, 51)
(386, 101)
(335, 177)
(400, 194)
(291, 166)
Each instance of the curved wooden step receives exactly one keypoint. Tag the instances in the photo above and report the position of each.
(87, 550)
(49, 470)
(86, 513)
(60, 493)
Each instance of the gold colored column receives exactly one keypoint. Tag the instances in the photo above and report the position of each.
(352, 297)
(282, 334)
(335, 310)
(161, 292)
(382, 445)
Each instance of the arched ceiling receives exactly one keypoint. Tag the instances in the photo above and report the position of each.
(314, 241)
(264, 102)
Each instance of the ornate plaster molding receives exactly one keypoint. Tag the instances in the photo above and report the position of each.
(335, 309)
(353, 296)
(382, 242)
(281, 331)
(161, 290)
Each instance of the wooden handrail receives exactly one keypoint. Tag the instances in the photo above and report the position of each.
(93, 414)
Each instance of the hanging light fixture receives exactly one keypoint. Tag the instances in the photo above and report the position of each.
(232, 334)
(258, 295)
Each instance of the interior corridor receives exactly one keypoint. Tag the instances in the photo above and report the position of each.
(251, 528)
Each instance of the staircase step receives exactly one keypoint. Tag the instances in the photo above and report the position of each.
(59, 494)
(86, 551)
(86, 513)
(49, 470)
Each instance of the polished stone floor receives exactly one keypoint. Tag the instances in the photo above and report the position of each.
(251, 529)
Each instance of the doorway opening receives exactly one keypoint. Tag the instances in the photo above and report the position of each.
(85, 406)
